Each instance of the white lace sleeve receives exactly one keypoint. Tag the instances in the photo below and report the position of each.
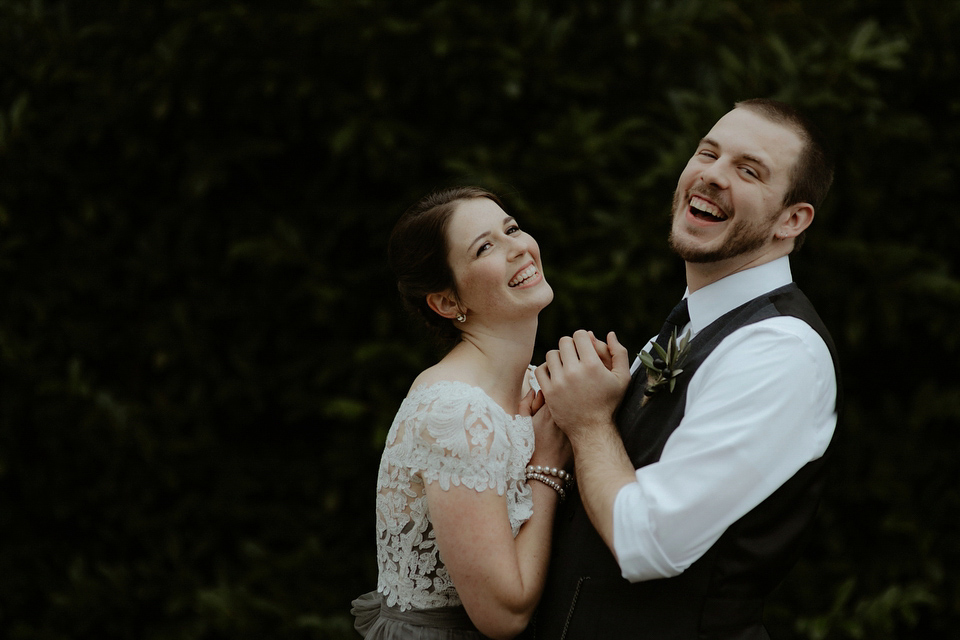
(455, 435)
(462, 440)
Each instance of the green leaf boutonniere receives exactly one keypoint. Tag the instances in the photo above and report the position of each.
(663, 365)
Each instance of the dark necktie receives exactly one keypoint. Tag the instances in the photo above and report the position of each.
(677, 318)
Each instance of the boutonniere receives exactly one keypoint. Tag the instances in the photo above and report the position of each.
(663, 365)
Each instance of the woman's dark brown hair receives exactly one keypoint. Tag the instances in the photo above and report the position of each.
(418, 255)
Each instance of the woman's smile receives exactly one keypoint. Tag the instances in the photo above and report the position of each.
(527, 276)
(488, 251)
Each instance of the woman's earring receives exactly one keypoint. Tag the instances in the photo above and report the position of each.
(461, 317)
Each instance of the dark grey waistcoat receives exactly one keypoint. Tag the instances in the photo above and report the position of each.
(720, 596)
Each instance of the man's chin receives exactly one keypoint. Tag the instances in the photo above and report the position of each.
(690, 252)
(738, 245)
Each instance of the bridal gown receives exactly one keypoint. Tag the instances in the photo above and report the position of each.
(453, 434)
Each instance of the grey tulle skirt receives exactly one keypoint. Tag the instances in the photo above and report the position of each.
(376, 621)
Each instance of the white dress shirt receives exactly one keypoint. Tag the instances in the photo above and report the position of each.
(758, 408)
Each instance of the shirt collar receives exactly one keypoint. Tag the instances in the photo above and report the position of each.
(714, 300)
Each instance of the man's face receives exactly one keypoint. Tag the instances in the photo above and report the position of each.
(730, 195)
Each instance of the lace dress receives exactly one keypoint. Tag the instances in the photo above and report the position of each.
(453, 434)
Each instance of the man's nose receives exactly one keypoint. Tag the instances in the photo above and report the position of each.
(717, 174)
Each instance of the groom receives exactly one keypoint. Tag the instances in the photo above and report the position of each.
(693, 498)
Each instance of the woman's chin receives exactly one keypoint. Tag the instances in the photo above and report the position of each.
(547, 297)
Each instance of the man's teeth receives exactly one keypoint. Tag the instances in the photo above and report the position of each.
(706, 208)
(524, 275)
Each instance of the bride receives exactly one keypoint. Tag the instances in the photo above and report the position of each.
(464, 516)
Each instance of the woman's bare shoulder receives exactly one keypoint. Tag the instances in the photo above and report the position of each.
(444, 371)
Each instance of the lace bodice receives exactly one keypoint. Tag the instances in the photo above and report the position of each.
(453, 434)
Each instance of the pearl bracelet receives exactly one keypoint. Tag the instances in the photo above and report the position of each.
(561, 481)
(565, 477)
(550, 483)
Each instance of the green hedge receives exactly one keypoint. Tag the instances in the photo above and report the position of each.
(201, 347)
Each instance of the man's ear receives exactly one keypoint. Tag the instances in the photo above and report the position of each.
(795, 220)
(444, 304)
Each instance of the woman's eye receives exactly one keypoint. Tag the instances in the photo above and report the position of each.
(513, 229)
(483, 247)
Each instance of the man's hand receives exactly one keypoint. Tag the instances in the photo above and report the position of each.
(583, 382)
(603, 350)
(580, 389)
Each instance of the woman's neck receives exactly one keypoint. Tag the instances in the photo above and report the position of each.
(495, 360)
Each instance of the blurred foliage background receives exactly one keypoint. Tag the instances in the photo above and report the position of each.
(201, 347)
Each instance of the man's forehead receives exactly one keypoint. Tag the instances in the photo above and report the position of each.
(748, 133)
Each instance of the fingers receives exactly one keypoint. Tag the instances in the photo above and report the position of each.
(568, 350)
(583, 342)
(538, 402)
(602, 350)
(526, 404)
(544, 418)
(618, 353)
(542, 374)
(583, 348)
(531, 403)
(552, 446)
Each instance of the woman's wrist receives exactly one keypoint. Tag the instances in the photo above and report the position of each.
(556, 478)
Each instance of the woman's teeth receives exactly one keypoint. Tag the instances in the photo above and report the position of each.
(523, 276)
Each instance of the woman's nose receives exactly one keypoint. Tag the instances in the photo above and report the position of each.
(519, 245)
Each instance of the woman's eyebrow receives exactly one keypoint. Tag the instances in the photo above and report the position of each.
(486, 233)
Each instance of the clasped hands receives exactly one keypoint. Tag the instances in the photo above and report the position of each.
(583, 382)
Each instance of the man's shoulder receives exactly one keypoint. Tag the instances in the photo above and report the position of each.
(781, 341)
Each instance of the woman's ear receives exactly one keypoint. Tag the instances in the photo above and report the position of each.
(444, 304)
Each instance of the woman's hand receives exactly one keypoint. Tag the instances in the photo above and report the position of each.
(531, 403)
(500, 577)
(552, 448)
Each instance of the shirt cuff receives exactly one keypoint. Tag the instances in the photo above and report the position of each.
(635, 538)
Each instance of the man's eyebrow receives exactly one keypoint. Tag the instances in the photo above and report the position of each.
(754, 159)
(746, 156)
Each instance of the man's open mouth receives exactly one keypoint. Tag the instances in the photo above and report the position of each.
(705, 210)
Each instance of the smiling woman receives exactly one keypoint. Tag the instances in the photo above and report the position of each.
(464, 518)
(417, 254)
(498, 275)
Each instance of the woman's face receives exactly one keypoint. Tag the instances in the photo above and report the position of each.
(495, 264)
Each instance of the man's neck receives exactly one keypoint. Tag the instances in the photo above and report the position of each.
(701, 274)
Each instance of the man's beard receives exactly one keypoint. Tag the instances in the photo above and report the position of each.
(743, 237)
